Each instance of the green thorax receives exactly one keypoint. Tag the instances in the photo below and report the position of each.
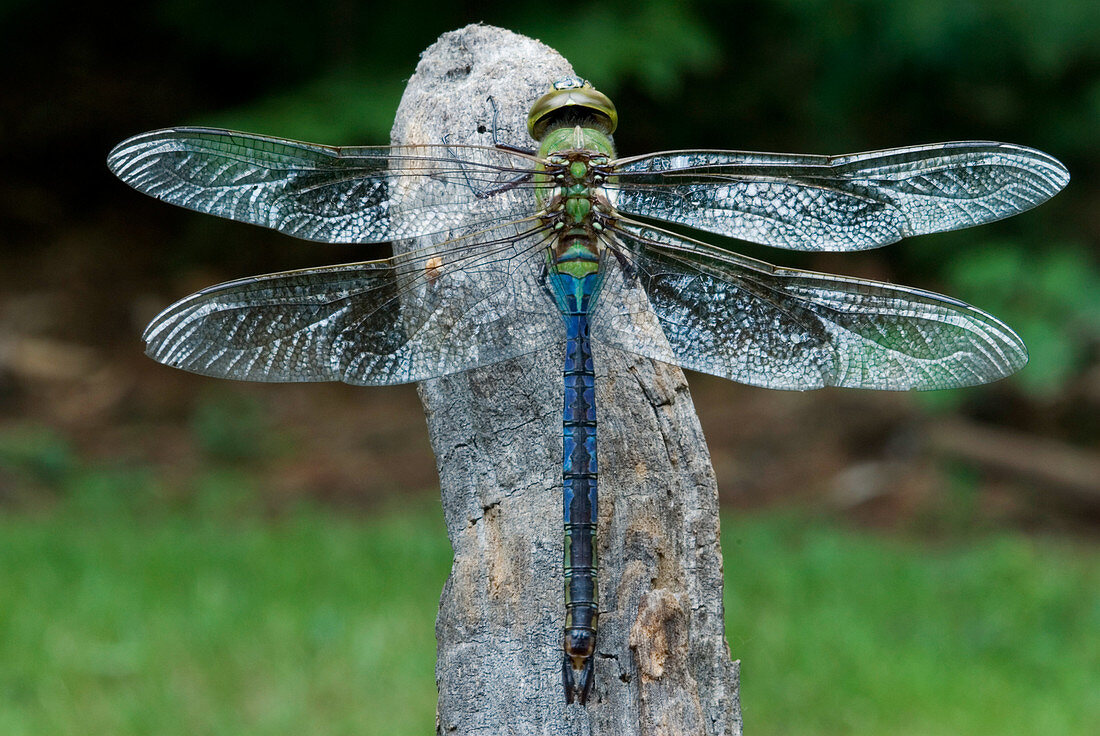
(575, 155)
(571, 193)
(573, 123)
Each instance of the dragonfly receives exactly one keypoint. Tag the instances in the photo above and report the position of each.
(564, 246)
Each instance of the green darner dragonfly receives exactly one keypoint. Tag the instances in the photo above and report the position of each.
(557, 247)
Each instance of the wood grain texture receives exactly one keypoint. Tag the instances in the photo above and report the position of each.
(662, 665)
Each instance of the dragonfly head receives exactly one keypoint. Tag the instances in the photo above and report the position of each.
(572, 101)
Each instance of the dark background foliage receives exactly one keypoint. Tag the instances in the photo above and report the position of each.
(86, 262)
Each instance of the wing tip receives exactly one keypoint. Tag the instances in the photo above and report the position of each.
(1005, 354)
(1042, 165)
(131, 148)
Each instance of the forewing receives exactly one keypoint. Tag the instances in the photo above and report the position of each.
(325, 193)
(687, 303)
(850, 202)
(408, 318)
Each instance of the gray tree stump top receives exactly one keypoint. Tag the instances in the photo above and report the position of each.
(662, 665)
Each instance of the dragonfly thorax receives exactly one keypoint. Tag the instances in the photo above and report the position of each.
(575, 204)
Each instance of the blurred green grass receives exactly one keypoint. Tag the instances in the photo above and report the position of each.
(316, 623)
(847, 632)
(307, 624)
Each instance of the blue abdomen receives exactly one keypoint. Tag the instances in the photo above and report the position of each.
(575, 297)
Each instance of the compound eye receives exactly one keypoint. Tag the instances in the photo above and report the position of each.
(573, 94)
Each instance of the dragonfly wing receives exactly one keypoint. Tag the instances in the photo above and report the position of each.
(407, 318)
(325, 193)
(687, 303)
(850, 202)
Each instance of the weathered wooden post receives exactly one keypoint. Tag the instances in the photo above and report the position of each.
(662, 665)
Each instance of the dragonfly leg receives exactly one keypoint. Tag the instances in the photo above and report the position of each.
(630, 271)
(515, 149)
(510, 184)
(486, 192)
(497, 143)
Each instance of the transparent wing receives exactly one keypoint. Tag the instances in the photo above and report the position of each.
(408, 318)
(850, 202)
(325, 193)
(684, 302)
